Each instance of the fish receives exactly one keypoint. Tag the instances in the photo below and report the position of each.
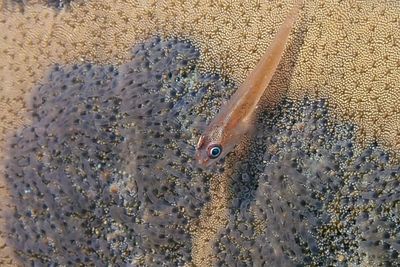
(236, 118)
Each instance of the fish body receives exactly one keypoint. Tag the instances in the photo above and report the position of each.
(235, 118)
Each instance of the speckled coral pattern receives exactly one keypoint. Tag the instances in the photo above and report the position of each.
(328, 58)
(308, 194)
(345, 50)
(21, 4)
(104, 174)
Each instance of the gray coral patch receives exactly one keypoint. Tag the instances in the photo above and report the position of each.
(56, 4)
(103, 174)
(308, 195)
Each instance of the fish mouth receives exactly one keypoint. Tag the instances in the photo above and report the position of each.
(201, 161)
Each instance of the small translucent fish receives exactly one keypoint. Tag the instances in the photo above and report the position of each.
(235, 119)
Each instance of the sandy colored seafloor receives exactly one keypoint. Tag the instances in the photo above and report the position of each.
(346, 51)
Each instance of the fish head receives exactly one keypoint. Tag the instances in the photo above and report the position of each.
(211, 147)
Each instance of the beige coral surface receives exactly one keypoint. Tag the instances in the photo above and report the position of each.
(346, 51)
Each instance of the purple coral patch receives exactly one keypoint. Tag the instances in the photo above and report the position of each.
(103, 175)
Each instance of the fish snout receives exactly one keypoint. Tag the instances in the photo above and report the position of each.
(202, 159)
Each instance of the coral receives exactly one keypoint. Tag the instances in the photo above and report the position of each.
(344, 51)
(21, 4)
(103, 173)
(345, 64)
(309, 194)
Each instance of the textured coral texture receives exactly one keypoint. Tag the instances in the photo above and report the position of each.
(21, 4)
(345, 51)
(104, 172)
(307, 194)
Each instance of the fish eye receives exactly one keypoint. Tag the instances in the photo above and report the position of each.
(214, 151)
